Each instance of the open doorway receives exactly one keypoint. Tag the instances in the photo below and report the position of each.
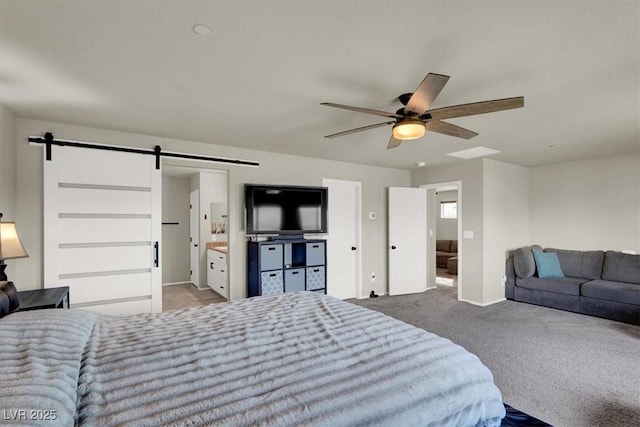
(446, 233)
(194, 221)
(444, 225)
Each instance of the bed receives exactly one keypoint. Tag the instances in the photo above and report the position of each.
(289, 360)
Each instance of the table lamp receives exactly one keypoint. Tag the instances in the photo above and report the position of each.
(10, 245)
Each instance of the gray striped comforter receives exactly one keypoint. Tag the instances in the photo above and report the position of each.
(290, 360)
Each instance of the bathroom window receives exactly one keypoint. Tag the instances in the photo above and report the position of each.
(448, 210)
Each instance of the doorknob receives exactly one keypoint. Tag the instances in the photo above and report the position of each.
(353, 248)
(393, 247)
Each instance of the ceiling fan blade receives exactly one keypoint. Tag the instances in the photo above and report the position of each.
(347, 132)
(362, 110)
(477, 108)
(424, 95)
(393, 143)
(449, 129)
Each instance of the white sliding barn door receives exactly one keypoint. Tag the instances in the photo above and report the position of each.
(102, 229)
(407, 240)
(343, 240)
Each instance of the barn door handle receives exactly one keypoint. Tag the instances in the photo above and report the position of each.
(156, 258)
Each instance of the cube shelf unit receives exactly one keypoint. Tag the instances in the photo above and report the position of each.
(275, 267)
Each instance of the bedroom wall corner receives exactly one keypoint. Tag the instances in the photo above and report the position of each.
(506, 221)
(29, 204)
(8, 140)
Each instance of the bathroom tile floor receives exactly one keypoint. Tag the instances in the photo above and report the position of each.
(185, 295)
(443, 278)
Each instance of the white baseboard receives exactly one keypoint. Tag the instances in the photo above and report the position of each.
(482, 304)
(434, 287)
(176, 283)
(367, 295)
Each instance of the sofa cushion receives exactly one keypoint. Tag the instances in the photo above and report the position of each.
(565, 285)
(452, 265)
(454, 246)
(443, 245)
(619, 267)
(547, 265)
(612, 291)
(442, 258)
(523, 262)
(585, 264)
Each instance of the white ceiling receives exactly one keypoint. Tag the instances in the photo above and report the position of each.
(257, 81)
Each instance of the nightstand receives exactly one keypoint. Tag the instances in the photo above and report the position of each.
(44, 298)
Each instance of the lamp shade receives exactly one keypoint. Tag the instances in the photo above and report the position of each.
(408, 129)
(10, 244)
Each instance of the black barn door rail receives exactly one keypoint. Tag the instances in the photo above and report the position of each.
(48, 140)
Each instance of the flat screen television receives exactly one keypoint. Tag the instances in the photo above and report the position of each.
(279, 209)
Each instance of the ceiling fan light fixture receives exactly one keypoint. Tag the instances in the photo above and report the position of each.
(408, 129)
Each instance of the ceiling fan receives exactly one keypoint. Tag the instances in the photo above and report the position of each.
(411, 121)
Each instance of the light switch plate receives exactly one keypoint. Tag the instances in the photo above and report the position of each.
(467, 234)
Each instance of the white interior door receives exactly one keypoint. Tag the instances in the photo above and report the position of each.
(194, 236)
(407, 240)
(102, 229)
(343, 240)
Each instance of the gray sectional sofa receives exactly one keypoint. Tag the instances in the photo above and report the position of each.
(598, 283)
(445, 249)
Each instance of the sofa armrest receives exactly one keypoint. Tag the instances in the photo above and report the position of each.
(9, 301)
(510, 273)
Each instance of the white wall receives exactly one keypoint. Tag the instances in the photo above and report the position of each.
(275, 169)
(587, 204)
(8, 165)
(175, 237)
(506, 221)
(446, 229)
(470, 250)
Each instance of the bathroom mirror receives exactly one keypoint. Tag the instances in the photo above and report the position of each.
(218, 221)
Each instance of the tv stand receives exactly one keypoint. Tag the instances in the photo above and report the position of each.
(286, 237)
(291, 264)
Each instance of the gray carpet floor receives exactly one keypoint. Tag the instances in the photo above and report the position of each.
(564, 368)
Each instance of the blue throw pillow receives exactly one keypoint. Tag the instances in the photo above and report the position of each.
(547, 264)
